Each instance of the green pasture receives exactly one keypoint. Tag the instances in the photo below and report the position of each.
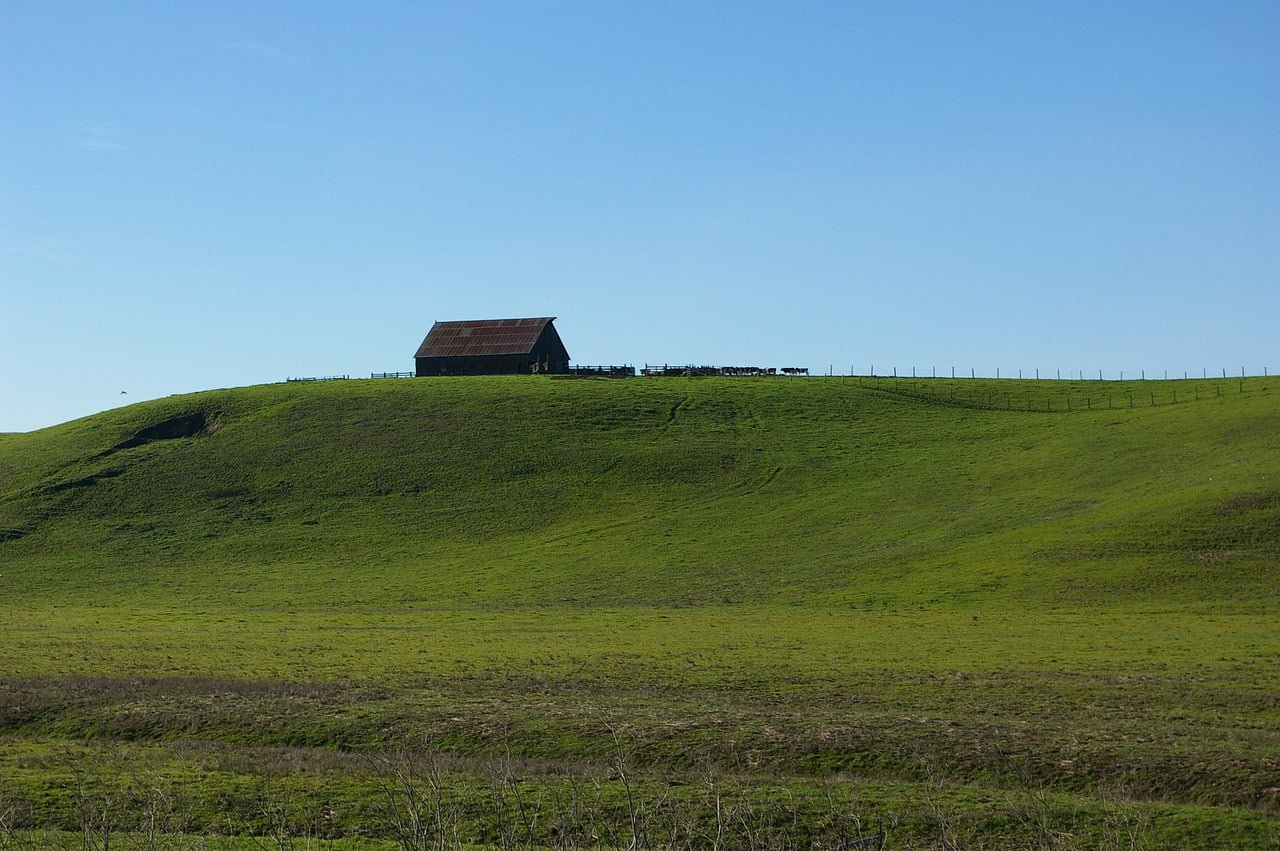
(1052, 611)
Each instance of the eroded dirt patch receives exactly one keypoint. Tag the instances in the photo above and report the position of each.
(183, 425)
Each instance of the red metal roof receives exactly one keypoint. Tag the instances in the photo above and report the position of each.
(482, 337)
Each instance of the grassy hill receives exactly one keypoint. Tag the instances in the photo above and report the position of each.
(977, 592)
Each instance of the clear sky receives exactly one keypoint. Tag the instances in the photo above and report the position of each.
(198, 195)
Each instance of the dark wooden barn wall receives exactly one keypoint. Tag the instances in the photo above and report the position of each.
(473, 365)
(550, 350)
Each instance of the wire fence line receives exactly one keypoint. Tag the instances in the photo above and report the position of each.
(1066, 395)
(1058, 374)
(1030, 390)
(292, 379)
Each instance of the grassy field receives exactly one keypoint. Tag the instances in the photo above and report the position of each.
(982, 613)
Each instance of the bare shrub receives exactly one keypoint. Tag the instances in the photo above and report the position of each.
(1124, 826)
(941, 814)
(100, 811)
(421, 809)
(10, 838)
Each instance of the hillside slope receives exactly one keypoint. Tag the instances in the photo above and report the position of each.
(509, 492)
(1006, 614)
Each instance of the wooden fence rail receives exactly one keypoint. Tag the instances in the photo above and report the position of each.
(652, 369)
(610, 370)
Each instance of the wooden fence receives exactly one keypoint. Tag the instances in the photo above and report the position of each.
(729, 371)
(604, 371)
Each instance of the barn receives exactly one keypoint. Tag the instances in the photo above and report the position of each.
(492, 347)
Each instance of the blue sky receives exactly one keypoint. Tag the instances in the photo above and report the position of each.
(210, 195)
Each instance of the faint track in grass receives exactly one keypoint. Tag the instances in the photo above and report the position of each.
(673, 413)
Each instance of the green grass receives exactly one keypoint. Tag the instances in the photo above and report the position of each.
(794, 581)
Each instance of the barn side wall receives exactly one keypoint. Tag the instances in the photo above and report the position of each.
(473, 365)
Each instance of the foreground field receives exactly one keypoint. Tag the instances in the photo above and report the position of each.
(679, 611)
